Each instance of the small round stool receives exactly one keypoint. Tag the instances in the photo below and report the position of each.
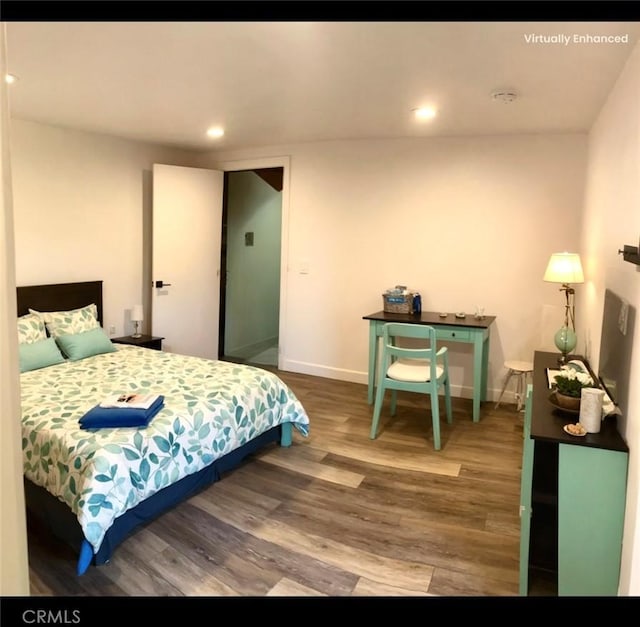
(521, 370)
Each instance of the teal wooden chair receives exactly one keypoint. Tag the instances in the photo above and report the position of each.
(417, 368)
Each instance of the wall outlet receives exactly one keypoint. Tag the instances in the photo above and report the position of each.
(112, 329)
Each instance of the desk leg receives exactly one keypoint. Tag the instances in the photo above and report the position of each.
(485, 369)
(373, 358)
(480, 367)
(477, 375)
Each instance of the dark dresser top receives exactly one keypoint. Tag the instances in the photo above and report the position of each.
(547, 421)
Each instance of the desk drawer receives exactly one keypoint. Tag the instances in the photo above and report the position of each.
(458, 335)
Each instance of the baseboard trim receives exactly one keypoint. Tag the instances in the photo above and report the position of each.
(357, 376)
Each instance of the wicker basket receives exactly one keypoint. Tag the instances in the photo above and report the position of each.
(398, 303)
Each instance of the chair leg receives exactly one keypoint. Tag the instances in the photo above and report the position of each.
(376, 411)
(447, 400)
(435, 419)
(525, 380)
(504, 387)
(394, 401)
(520, 390)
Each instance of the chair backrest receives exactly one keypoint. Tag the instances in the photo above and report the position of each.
(425, 350)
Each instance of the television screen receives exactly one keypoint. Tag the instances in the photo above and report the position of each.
(616, 344)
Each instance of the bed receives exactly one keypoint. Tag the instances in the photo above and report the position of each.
(94, 487)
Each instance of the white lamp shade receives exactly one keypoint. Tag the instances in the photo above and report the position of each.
(137, 314)
(564, 268)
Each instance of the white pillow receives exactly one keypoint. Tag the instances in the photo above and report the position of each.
(31, 329)
(69, 322)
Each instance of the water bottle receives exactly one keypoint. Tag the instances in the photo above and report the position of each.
(417, 303)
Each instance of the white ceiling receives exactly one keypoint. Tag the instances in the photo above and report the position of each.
(272, 83)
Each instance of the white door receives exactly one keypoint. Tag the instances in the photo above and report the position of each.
(187, 225)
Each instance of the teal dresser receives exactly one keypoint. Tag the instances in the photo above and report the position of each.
(572, 499)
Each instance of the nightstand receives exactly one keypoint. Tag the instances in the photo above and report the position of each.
(145, 341)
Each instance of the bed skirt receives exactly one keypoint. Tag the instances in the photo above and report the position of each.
(62, 523)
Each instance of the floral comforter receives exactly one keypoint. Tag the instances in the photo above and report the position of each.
(211, 408)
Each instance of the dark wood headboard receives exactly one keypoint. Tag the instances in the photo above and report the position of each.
(60, 297)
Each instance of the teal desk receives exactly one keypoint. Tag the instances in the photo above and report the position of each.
(449, 329)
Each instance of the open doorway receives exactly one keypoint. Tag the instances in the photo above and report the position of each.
(250, 266)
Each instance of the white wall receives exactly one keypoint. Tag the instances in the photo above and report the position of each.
(465, 221)
(612, 219)
(82, 207)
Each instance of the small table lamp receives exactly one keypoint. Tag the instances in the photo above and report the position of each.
(137, 317)
(565, 268)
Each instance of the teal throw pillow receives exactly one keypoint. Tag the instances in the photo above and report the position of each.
(35, 355)
(80, 345)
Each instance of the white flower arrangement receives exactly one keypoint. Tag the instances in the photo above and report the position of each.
(570, 381)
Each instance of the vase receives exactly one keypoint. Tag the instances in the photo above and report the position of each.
(567, 402)
(565, 340)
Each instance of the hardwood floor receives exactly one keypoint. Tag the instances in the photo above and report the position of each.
(335, 514)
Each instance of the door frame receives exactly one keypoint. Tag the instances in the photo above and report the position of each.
(259, 163)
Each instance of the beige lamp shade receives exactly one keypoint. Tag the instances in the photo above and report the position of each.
(137, 315)
(564, 268)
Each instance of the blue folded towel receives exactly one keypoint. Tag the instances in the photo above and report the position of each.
(112, 417)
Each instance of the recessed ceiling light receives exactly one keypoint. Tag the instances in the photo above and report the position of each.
(215, 131)
(10, 78)
(424, 113)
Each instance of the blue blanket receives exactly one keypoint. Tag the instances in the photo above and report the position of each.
(113, 417)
